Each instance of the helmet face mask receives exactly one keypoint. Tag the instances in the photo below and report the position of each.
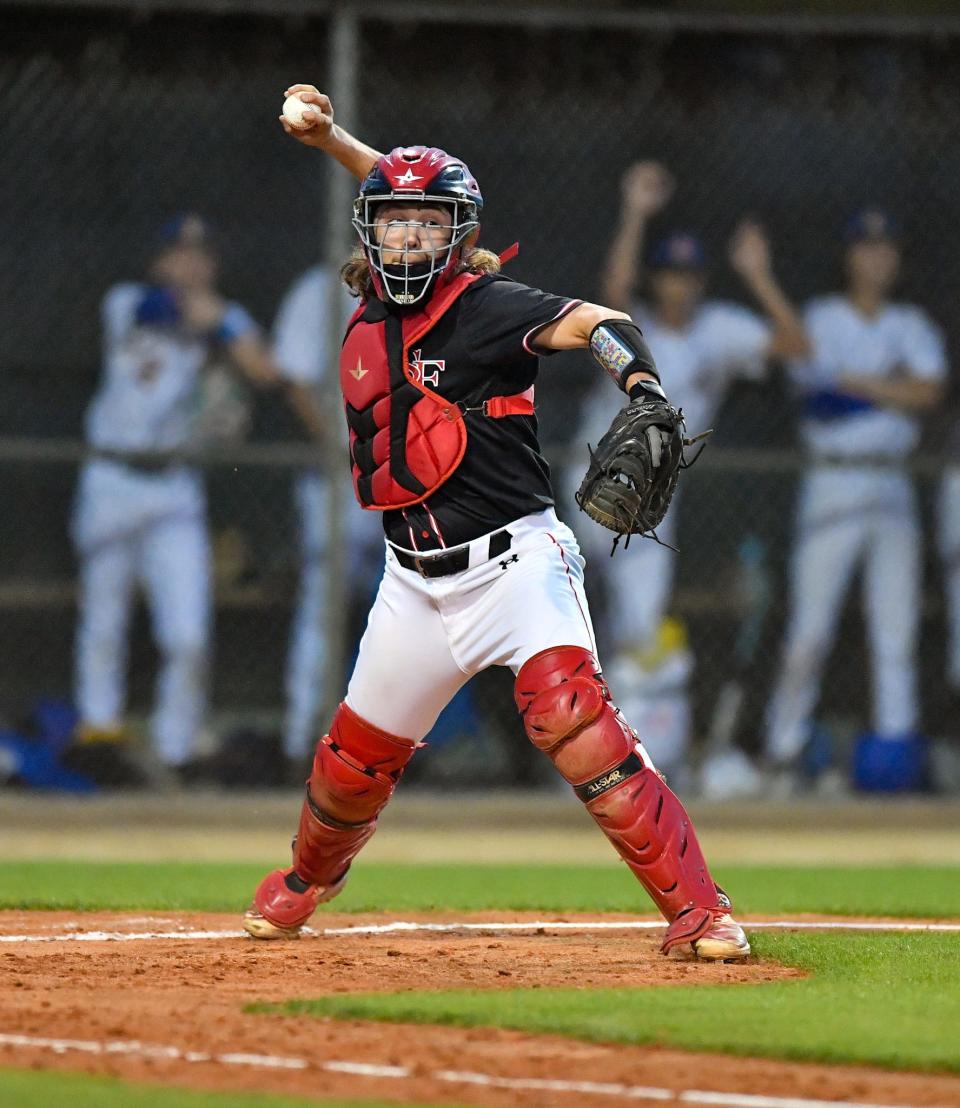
(422, 177)
(405, 281)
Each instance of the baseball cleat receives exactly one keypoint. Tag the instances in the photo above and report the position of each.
(723, 941)
(283, 903)
(259, 927)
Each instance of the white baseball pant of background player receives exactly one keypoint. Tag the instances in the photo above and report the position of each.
(856, 507)
(948, 533)
(299, 346)
(132, 526)
(722, 342)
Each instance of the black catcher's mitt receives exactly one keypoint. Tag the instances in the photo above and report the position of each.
(635, 467)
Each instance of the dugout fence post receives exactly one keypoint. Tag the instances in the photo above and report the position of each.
(342, 68)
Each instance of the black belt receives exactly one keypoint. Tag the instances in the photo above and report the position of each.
(453, 561)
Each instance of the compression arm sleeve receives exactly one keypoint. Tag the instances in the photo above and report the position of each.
(619, 347)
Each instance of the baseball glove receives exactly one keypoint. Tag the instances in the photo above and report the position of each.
(634, 469)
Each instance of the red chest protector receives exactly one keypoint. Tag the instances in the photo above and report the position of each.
(405, 439)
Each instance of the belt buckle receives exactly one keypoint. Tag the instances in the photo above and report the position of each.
(423, 565)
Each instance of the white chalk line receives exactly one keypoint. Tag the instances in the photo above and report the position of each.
(186, 934)
(134, 1048)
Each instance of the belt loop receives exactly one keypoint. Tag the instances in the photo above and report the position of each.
(476, 555)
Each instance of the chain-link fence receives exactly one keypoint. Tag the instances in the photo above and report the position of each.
(111, 121)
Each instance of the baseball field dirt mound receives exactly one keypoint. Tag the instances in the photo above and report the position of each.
(163, 998)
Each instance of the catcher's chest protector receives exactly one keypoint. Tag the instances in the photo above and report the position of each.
(405, 439)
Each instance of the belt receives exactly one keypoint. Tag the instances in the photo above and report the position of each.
(454, 561)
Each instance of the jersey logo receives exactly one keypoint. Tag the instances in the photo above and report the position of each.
(436, 366)
(359, 372)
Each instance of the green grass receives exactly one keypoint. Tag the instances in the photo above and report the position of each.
(41, 1089)
(885, 1000)
(881, 999)
(931, 891)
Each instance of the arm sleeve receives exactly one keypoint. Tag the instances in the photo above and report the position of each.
(923, 349)
(502, 319)
(738, 340)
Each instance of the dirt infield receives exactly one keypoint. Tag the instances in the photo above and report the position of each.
(170, 1009)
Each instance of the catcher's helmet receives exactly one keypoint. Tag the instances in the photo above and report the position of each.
(417, 174)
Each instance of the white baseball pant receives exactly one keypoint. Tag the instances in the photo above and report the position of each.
(426, 637)
(948, 529)
(849, 516)
(639, 581)
(135, 528)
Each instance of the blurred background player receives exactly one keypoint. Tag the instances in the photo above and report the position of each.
(948, 536)
(875, 367)
(701, 346)
(140, 511)
(299, 345)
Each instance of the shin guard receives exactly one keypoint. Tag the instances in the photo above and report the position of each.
(355, 771)
(568, 714)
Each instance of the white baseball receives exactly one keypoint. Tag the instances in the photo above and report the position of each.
(293, 109)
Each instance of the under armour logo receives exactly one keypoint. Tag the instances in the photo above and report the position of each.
(359, 372)
(507, 561)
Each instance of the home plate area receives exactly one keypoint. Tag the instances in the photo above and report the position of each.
(164, 998)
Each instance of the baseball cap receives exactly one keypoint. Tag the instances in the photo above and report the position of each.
(679, 250)
(185, 229)
(870, 225)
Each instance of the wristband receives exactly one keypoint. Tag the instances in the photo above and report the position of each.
(619, 347)
(641, 389)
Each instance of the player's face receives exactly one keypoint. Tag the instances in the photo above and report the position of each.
(186, 267)
(874, 263)
(677, 291)
(411, 233)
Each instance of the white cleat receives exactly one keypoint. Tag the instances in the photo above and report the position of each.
(260, 927)
(724, 941)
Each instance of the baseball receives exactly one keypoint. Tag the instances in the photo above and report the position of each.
(293, 109)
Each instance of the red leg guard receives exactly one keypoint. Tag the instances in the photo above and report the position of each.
(567, 713)
(355, 771)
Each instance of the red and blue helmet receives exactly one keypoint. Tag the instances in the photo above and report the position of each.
(423, 175)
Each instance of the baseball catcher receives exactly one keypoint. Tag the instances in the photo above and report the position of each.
(438, 370)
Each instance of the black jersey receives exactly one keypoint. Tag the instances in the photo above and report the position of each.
(481, 348)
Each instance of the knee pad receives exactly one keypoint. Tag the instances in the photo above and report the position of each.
(355, 770)
(567, 713)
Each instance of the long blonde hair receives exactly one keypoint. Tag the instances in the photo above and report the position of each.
(355, 273)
